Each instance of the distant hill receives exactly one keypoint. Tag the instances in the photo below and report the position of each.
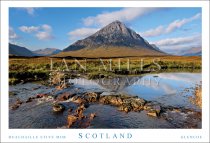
(194, 51)
(16, 50)
(193, 54)
(114, 40)
(47, 52)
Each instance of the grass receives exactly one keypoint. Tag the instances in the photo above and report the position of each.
(109, 51)
(34, 69)
(197, 98)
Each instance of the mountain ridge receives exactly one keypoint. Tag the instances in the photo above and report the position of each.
(116, 35)
(20, 51)
(47, 51)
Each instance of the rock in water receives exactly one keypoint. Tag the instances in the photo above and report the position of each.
(152, 113)
(71, 119)
(153, 109)
(41, 95)
(92, 115)
(91, 96)
(64, 96)
(17, 104)
(58, 107)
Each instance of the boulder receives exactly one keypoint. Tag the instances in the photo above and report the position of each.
(58, 107)
(64, 96)
(152, 113)
(79, 111)
(116, 101)
(124, 102)
(18, 101)
(16, 104)
(92, 96)
(71, 119)
(41, 95)
(92, 115)
(103, 100)
(125, 107)
(78, 100)
(153, 109)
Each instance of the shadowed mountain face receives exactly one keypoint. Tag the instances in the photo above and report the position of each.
(115, 35)
(47, 52)
(20, 51)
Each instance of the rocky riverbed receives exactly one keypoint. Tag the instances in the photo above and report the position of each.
(33, 105)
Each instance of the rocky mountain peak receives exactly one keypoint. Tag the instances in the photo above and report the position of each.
(115, 34)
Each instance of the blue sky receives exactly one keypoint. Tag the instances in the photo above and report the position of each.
(171, 29)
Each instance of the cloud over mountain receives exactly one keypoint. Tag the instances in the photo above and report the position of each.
(43, 32)
(12, 34)
(81, 33)
(125, 15)
(160, 30)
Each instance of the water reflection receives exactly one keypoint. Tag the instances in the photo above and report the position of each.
(165, 88)
(116, 84)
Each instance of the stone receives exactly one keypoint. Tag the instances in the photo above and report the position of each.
(71, 119)
(103, 100)
(157, 109)
(18, 101)
(116, 101)
(17, 104)
(92, 96)
(79, 100)
(125, 108)
(92, 115)
(41, 95)
(79, 111)
(137, 104)
(152, 113)
(153, 107)
(30, 99)
(58, 107)
(64, 96)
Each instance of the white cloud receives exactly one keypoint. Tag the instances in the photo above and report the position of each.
(179, 23)
(180, 45)
(29, 10)
(100, 20)
(178, 41)
(29, 29)
(46, 27)
(82, 33)
(12, 34)
(43, 32)
(126, 14)
(170, 28)
(153, 32)
(44, 35)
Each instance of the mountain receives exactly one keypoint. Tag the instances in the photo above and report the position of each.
(20, 51)
(156, 47)
(114, 40)
(47, 52)
(193, 54)
(194, 51)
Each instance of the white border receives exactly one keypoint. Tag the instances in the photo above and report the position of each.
(139, 135)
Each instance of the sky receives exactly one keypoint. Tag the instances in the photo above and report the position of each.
(173, 30)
